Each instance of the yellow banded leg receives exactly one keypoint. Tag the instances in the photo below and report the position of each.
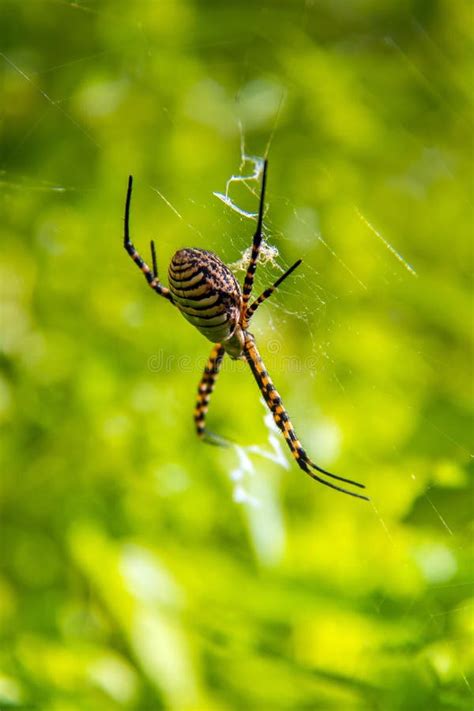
(267, 293)
(206, 386)
(283, 422)
(256, 244)
(150, 276)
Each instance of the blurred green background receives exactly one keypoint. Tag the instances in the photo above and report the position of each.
(131, 577)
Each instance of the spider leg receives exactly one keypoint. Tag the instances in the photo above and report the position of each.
(282, 420)
(268, 292)
(206, 386)
(153, 260)
(150, 276)
(257, 241)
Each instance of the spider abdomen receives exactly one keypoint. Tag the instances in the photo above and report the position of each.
(206, 292)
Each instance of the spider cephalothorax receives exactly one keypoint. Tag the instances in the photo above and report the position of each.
(206, 292)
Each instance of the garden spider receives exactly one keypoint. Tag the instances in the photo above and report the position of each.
(206, 292)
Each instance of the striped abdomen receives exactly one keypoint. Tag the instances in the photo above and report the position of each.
(206, 292)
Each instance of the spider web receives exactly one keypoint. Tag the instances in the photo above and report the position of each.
(250, 490)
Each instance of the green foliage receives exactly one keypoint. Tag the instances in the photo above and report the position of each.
(130, 577)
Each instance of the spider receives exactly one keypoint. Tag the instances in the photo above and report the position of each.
(208, 295)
